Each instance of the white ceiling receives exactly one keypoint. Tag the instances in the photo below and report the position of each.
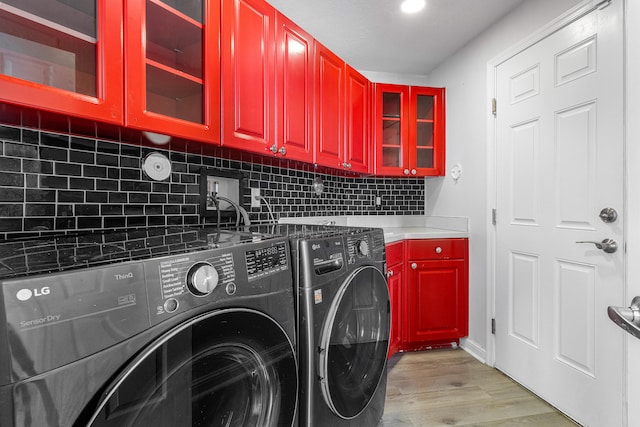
(374, 35)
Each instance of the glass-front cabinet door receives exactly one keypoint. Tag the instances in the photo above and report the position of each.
(63, 56)
(173, 73)
(426, 131)
(409, 130)
(392, 109)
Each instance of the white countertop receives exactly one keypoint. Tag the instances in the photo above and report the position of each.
(395, 234)
(397, 227)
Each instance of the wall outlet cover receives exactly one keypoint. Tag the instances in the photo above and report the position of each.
(255, 197)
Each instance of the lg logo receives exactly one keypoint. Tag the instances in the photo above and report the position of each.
(26, 294)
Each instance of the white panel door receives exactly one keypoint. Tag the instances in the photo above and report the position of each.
(559, 163)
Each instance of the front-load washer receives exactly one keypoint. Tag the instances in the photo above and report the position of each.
(343, 325)
(154, 327)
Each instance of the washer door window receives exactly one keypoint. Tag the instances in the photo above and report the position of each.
(354, 342)
(224, 368)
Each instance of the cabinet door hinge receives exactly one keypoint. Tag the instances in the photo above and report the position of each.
(494, 214)
(493, 326)
(494, 106)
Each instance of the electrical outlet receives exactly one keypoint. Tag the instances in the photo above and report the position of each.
(255, 198)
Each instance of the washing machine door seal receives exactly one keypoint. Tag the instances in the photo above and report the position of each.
(231, 367)
(354, 342)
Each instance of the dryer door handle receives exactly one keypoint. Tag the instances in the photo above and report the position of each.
(327, 266)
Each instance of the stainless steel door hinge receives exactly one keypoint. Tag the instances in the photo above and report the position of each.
(494, 107)
(494, 214)
(493, 326)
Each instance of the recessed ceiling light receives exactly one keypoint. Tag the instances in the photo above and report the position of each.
(412, 6)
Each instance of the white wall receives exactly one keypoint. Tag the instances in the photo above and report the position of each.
(468, 108)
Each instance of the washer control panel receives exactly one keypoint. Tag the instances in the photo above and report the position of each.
(358, 247)
(178, 283)
(202, 279)
(266, 260)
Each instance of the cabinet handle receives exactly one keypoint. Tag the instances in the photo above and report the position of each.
(274, 149)
(413, 171)
(414, 265)
(389, 273)
(406, 171)
(438, 250)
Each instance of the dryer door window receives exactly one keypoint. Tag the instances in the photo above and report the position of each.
(354, 342)
(224, 368)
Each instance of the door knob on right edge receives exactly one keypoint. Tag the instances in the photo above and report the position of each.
(608, 215)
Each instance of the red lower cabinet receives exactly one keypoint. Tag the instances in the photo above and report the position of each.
(436, 293)
(395, 270)
(428, 284)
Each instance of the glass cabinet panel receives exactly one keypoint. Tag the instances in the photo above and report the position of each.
(424, 131)
(174, 59)
(391, 129)
(51, 43)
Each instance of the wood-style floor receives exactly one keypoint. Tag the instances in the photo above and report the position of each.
(451, 388)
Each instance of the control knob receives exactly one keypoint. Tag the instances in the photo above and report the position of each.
(363, 247)
(202, 279)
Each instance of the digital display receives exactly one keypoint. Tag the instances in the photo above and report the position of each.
(266, 260)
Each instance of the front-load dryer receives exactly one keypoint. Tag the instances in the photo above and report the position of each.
(154, 327)
(343, 318)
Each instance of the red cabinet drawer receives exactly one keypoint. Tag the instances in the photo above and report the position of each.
(395, 253)
(436, 249)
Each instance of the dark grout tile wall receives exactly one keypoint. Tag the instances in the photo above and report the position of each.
(59, 181)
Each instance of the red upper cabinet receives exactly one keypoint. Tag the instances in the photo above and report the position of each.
(172, 67)
(248, 67)
(392, 128)
(357, 124)
(329, 113)
(426, 131)
(410, 130)
(294, 91)
(342, 112)
(63, 56)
